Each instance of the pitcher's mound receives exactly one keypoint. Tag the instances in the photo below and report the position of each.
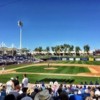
(50, 68)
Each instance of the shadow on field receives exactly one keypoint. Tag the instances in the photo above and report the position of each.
(47, 80)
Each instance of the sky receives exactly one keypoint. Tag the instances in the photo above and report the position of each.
(50, 22)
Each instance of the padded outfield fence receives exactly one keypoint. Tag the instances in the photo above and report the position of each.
(75, 59)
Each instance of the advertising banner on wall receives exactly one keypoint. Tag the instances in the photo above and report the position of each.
(71, 59)
(97, 59)
(77, 59)
(91, 59)
(84, 59)
(64, 59)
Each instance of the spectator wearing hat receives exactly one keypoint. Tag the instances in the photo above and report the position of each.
(43, 95)
(27, 98)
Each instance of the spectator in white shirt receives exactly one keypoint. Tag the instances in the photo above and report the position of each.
(10, 86)
(24, 81)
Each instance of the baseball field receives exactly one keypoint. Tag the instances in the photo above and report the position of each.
(69, 72)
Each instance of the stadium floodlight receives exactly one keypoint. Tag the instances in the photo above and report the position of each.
(20, 24)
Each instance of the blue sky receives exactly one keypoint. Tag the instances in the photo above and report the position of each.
(50, 22)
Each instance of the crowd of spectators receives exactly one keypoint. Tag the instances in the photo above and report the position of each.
(14, 90)
(7, 60)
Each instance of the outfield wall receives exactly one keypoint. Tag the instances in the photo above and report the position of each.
(75, 59)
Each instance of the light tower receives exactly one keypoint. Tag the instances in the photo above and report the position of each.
(20, 24)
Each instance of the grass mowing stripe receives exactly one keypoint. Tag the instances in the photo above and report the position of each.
(60, 69)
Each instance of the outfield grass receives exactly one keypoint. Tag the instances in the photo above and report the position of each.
(34, 78)
(60, 69)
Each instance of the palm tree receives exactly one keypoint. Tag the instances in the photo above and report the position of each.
(62, 48)
(66, 46)
(48, 50)
(71, 48)
(53, 49)
(40, 49)
(86, 49)
(58, 49)
(25, 50)
(77, 49)
(36, 49)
